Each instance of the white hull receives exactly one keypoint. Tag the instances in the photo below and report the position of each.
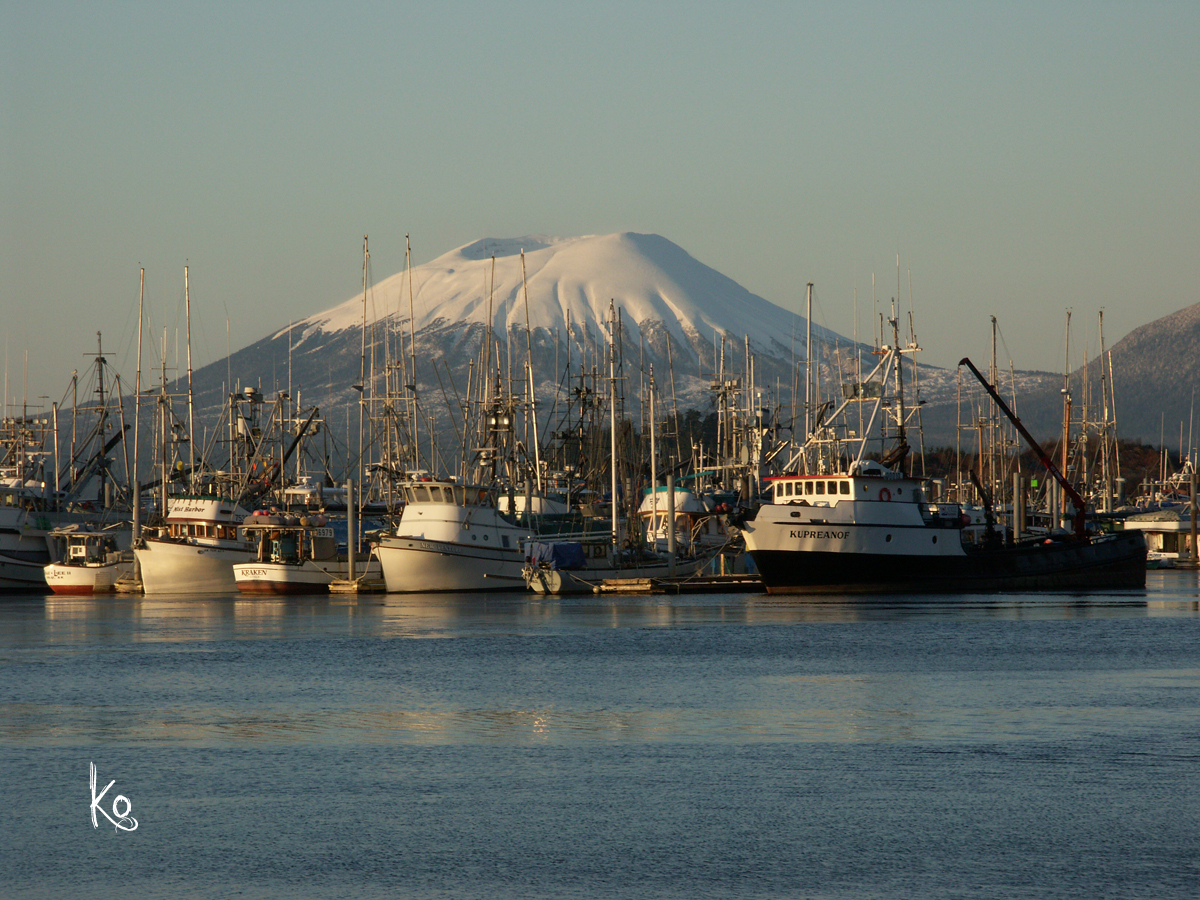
(88, 579)
(416, 565)
(452, 538)
(308, 577)
(172, 568)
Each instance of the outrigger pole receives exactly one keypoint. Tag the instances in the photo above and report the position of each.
(1076, 500)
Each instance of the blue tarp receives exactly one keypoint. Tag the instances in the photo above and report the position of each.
(560, 554)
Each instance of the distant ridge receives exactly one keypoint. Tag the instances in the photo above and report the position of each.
(1156, 373)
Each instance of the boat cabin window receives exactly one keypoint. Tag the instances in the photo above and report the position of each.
(808, 487)
(844, 487)
(820, 487)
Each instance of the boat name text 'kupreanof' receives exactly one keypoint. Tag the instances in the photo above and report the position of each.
(820, 535)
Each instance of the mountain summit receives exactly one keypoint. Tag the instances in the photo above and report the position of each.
(661, 290)
(678, 317)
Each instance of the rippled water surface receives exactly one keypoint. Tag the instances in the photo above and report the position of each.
(698, 746)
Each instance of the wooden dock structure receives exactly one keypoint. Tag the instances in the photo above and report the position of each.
(694, 584)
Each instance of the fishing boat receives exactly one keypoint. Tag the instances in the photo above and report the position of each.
(697, 523)
(1167, 533)
(870, 528)
(577, 567)
(195, 550)
(296, 555)
(90, 561)
(453, 537)
(873, 530)
(656, 550)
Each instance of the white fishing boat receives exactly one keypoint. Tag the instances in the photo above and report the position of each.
(452, 537)
(296, 555)
(90, 561)
(195, 550)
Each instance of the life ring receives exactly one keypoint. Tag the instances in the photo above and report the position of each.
(885, 494)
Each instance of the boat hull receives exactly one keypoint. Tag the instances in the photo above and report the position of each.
(1113, 561)
(416, 565)
(168, 567)
(584, 581)
(65, 579)
(18, 574)
(306, 578)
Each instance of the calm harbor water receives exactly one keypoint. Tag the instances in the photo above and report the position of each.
(504, 746)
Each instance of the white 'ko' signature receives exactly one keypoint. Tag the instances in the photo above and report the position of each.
(123, 821)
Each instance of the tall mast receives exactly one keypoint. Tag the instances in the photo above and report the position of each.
(537, 452)
(808, 365)
(993, 423)
(187, 304)
(137, 400)
(101, 425)
(612, 416)
(486, 386)
(362, 374)
(901, 436)
(412, 350)
(1066, 391)
(1105, 462)
(163, 402)
(137, 381)
(653, 467)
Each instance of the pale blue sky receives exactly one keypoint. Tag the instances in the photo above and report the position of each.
(1023, 158)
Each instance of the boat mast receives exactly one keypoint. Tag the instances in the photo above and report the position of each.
(412, 350)
(537, 453)
(653, 468)
(102, 424)
(612, 416)
(1066, 422)
(362, 380)
(187, 305)
(1105, 460)
(808, 368)
(901, 435)
(137, 424)
(1076, 500)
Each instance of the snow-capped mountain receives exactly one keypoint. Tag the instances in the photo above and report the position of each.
(660, 289)
(664, 297)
